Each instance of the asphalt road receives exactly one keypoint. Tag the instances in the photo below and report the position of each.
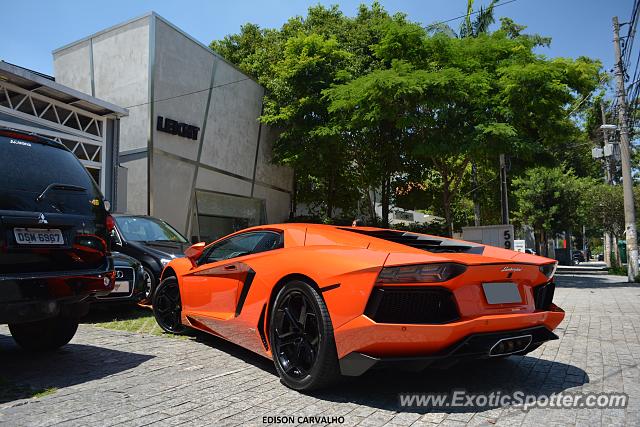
(107, 377)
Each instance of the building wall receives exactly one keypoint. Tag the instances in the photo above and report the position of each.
(120, 74)
(150, 59)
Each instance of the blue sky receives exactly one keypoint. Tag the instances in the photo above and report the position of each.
(31, 29)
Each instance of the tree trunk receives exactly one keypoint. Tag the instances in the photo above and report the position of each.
(294, 197)
(331, 193)
(616, 251)
(607, 248)
(371, 206)
(537, 235)
(476, 202)
(385, 201)
(446, 204)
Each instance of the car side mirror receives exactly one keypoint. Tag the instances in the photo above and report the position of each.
(193, 252)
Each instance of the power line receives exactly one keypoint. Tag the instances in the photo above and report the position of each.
(249, 78)
(191, 93)
(472, 13)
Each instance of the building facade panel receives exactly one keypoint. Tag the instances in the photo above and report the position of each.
(194, 151)
(232, 125)
(182, 76)
(121, 76)
(172, 182)
(73, 68)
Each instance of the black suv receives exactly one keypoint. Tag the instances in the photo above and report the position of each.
(54, 241)
(151, 241)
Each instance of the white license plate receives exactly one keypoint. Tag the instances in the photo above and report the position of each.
(121, 287)
(38, 236)
(501, 293)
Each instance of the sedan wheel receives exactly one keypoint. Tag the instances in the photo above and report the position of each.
(302, 339)
(167, 306)
(149, 280)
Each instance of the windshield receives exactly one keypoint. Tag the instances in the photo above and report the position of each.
(145, 229)
(28, 168)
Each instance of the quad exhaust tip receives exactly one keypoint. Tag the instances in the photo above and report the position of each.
(511, 345)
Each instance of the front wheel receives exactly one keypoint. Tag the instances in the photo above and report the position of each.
(301, 336)
(149, 284)
(167, 306)
(44, 335)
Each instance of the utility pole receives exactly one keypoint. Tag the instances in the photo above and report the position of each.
(608, 176)
(504, 197)
(627, 178)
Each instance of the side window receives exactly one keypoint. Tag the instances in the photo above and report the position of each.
(243, 244)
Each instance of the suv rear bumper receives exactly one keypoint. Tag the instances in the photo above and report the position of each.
(36, 296)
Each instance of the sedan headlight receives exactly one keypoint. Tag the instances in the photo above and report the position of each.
(549, 269)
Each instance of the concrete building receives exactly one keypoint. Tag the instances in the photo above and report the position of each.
(88, 126)
(192, 149)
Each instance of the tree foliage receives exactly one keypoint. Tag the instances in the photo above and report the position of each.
(376, 101)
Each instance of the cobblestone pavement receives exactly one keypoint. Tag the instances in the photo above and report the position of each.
(107, 377)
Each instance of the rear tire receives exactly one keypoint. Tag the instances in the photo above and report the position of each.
(167, 306)
(301, 336)
(44, 335)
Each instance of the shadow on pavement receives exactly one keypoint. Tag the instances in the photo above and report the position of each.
(70, 365)
(380, 388)
(529, 375)
(593, 281)
(235, 351)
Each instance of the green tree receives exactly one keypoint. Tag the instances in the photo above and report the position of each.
(551, 200)
(374, 101)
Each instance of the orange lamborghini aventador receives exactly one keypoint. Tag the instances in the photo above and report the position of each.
(325, 301)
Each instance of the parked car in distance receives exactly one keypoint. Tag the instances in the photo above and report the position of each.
(54, 241)
(324, 301)
(129, 283)
(151, 241)
(578, 257)
(530, 251)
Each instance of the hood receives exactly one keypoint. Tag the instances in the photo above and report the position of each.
(122, 260)
(162, 249)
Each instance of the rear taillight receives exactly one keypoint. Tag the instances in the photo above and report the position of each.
(21, 136)
(111, 224)
(420, 273)
(549, 269)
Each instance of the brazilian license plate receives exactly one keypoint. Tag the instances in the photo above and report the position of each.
(501, 293)
(38, 236)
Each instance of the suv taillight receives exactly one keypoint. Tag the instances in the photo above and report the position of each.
(420, 273)
(22, 136)
(111, 224)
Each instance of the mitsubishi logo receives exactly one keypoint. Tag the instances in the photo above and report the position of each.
(42, 219)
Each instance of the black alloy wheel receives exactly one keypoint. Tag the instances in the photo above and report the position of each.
(302, 339)
(167, 306)
(149, 280)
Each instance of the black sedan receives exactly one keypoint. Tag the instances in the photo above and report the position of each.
(151, 241)
(130, 283)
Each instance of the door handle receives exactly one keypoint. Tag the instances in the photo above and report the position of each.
(230, 267)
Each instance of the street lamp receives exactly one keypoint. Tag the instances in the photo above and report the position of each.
(608, 127)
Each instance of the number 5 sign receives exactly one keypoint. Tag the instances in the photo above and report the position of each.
(493, 235)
